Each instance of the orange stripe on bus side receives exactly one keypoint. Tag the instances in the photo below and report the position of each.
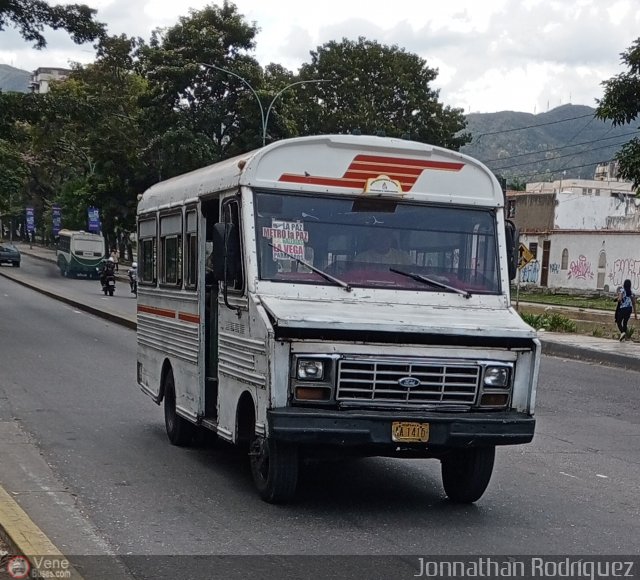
(157, 311)
(189, 317)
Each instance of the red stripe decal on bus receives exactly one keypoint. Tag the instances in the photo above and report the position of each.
(407, 171)
(424, 163)
(157, 311)
(334, 181)
(189, 317)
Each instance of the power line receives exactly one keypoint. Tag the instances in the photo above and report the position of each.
(563, 147)
(533, 126)
(558, 157)
(579, 131)
(525, 175)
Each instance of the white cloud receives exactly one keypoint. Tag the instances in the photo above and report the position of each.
(491, 55)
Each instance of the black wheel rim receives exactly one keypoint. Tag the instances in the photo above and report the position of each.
(170, 410)
(260, 456)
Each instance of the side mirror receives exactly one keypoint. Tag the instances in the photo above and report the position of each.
(513, 248)
(226, 252)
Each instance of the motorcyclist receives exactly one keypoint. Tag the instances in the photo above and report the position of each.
(108, 269)
(133, 276)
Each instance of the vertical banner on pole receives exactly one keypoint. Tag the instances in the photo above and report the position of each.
(31, 220)
(56, 220)
(94, 220)
(31, 224)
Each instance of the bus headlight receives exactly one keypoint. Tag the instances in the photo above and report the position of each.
(497, 377)
(310, 370)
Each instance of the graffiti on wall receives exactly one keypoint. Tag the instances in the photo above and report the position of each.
(580, 269)
(554, 268)
(529, 274)
(623, 269)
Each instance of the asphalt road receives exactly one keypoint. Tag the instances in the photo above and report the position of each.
(47, 275)
(67, 381)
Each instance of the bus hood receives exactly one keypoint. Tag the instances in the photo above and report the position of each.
(405, 318)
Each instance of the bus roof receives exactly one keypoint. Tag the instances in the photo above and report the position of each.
(78, 233)
(340, 164)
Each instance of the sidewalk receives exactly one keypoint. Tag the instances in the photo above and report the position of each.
(574, 346)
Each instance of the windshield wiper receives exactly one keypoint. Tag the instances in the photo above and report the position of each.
(311, 267)
(425, 280)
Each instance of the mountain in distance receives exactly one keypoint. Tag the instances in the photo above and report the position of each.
(14, 80)
(566, 142)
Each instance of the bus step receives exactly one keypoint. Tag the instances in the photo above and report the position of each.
(211, 398)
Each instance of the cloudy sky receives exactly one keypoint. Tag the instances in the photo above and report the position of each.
(492, 55)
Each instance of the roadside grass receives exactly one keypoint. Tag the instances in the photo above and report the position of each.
(590, 302)
(550, 322)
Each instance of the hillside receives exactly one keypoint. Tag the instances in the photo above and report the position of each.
(565, 142)
(14, 80)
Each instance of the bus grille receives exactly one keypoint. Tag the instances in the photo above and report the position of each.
(381, 382)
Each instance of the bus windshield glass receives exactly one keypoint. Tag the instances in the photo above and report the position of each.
(361, 241)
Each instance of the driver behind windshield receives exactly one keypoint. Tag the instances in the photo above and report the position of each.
(381, 248)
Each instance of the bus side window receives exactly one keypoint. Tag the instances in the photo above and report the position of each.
(232, 215)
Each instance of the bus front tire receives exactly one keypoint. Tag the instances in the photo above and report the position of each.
(466, 473)
(274, 467)
(179, 430)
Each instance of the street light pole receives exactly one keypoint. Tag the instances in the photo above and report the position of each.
(264, 117)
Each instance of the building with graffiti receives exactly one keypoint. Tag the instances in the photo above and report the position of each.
(584, 234)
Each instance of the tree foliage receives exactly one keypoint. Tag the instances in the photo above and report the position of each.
(621, 104)
(199, 114)
(91, 121)
(31, 16)
(376, 89)
(13, 177)
(190, 96)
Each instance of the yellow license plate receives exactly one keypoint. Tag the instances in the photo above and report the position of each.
(407, 432)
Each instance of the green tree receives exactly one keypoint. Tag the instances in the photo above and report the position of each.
(376, 89)
(92, 122)
(31, 16)
(621, 105)
(14, 174)
(197, 114)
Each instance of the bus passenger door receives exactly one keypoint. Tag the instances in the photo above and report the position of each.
(211, 211)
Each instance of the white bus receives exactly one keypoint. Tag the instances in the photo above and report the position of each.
(337, 294)
(79, 252)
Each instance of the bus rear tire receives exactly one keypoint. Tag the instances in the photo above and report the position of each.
(179, 430)
(274, 467)
(466, 473)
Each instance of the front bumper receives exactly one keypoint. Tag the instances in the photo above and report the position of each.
(368, 428)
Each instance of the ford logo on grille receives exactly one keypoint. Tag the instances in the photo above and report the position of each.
(409, 382)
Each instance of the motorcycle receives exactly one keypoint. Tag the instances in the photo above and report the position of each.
(108, 282)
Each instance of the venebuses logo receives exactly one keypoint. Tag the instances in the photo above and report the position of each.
(18, 567)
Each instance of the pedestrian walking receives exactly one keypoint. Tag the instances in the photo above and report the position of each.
(626, 304)
(116, 257)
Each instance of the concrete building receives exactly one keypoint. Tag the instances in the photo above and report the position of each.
(42, 77)
(584, 234)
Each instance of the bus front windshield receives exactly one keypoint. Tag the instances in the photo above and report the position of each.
(376, 243)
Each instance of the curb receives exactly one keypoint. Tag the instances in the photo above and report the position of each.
(28, 540)
(121, 320)
(590, 355)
